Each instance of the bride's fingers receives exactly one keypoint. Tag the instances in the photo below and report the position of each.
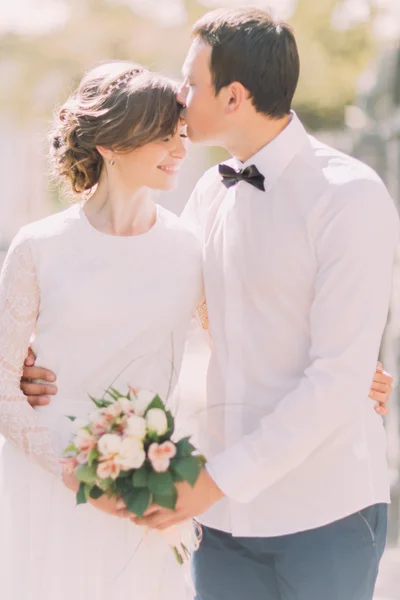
(124, 514)
(120, 504)
(158, 518)
(151, 510)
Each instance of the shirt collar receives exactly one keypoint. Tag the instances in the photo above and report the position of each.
(273, 158)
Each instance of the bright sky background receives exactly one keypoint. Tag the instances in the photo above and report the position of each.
(37, 16)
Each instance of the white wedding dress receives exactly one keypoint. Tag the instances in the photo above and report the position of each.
(97, 309)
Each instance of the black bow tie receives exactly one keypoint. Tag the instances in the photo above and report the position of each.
(250, 174)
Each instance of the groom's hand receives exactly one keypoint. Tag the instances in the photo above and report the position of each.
(38, 394)
(191, 503)
(381, 389)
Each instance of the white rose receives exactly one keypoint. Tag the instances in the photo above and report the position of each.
(141, 401)
(131, 454)
(136, 427)
(109, 445)
(157, 421)
(99, 424)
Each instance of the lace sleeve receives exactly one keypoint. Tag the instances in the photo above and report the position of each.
(201, 315)
(19, 306)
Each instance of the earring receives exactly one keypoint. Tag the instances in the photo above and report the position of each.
(112, 162)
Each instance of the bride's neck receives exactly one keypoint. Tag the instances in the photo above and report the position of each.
(119, 211)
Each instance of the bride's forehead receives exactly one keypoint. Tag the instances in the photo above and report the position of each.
(197, 56)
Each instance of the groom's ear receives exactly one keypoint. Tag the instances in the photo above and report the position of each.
(233, 97)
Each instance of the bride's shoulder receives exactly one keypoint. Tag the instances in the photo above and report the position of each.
(51, 226)
(181, 233)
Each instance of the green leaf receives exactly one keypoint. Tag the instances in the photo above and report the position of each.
(71, 418)
(117, 393)
(114, 394)
(188, 468)
(99, 403)
(123, 485)
(160, 483)
(171, 425)
(105, 484)
(86, 474)
(81, 497)
(93, 456)
(167, 500)
(71, 448)
(88, 489)
(151, 437)
(176, 478)
(96, 493)
(140, 478)
(138, 501)
(177, 555)
(184, 448)
(155, 403)
(201, 459)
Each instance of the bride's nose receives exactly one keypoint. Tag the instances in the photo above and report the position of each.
(182, 93)
(180, 150)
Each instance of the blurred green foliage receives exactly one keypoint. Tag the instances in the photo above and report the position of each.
(41, 70)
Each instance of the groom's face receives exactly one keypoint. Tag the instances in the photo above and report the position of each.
(204, 112)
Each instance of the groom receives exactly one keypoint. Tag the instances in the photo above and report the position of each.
(299, 242)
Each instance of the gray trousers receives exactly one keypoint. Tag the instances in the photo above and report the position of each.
(336, 562)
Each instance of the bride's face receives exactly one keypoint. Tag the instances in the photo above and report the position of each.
(155, 165)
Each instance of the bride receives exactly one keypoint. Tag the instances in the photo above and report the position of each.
(104, 292)
(106, 287)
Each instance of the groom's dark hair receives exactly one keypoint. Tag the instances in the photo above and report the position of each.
(249, 46)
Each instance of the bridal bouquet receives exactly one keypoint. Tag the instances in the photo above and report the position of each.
(125, 449)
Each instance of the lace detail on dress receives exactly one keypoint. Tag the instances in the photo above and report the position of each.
(19, 307)
(202, 315)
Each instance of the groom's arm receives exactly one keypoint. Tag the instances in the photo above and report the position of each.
(355, 242)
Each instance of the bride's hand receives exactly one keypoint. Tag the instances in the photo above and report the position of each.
(111, 506)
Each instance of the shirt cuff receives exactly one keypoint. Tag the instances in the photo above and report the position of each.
(236, 474)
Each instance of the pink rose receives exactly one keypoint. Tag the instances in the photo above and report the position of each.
(160, 456)
(112, 412)
(84, 440)
(108, 469)
(99, 424)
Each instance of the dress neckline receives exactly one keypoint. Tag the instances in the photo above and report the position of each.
(140, 236)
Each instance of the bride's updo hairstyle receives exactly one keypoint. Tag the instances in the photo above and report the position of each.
(119, 105)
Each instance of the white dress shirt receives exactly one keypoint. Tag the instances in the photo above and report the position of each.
(298, 281)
